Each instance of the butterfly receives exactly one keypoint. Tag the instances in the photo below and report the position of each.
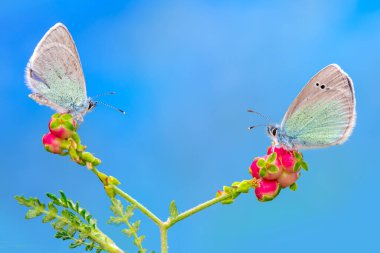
(322, 115)
(54, 74)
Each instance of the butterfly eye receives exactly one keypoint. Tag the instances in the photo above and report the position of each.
(274, 131)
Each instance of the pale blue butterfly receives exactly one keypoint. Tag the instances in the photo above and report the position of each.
(55, 76)
(322, 115)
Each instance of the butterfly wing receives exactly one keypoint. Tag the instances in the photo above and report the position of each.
(324, 112)
(54, 73)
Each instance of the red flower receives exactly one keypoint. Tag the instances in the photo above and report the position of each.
(265, 167)
(52, 143)
(287, 178)
(267, 190)
(285, 157)
(62, 125)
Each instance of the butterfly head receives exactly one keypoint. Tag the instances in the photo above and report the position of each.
(91, 105)
(272, 132)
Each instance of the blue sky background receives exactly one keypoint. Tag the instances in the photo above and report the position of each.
(185, 72)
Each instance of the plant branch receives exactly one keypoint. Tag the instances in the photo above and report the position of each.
(196, 209)
(139, 206)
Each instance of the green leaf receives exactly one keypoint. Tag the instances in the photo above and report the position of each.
(139, 240)
(129, 212)
(115, 220)
(293, 187)
(24, 201)
(83, 236)
(297, 155)
(273, 169)
(117, 207)
(54, 198)
(304, 165)
(52, 209)
(99, 250)
(127, 231)
(263, 172)
(173, 210)
(297, 166)
(59, 225)
(260, 163)
(32, 213)
(272, 157)
(136, 226)
(47, 218)
(74, 245)
(89, 247)
(63, 198)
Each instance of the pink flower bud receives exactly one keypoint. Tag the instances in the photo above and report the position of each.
(254, 169)
(285, 157)
(62, 125)
(52, 143)
(268, 170)
(287, 178)
(267, 190)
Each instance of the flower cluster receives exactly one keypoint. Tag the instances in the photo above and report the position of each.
(62, 139)
(276, 170)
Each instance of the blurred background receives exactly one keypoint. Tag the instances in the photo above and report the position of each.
(186, 72)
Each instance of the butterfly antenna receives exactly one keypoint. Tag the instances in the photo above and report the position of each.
(252, 127)
(111, 106)
(105, 94)
(261, 115)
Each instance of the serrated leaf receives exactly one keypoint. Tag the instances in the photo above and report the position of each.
(173, 210)
(127, 231)
(129, 212)
(32, 213)
(272, 157)
(117, 207)
(115, 220)
(293, 187)
(136, 226)
(261, 163)
(138, 240)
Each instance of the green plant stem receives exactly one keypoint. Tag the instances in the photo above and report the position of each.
(164, 226)
(198, 208)
(164, 238)
(134, 202)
